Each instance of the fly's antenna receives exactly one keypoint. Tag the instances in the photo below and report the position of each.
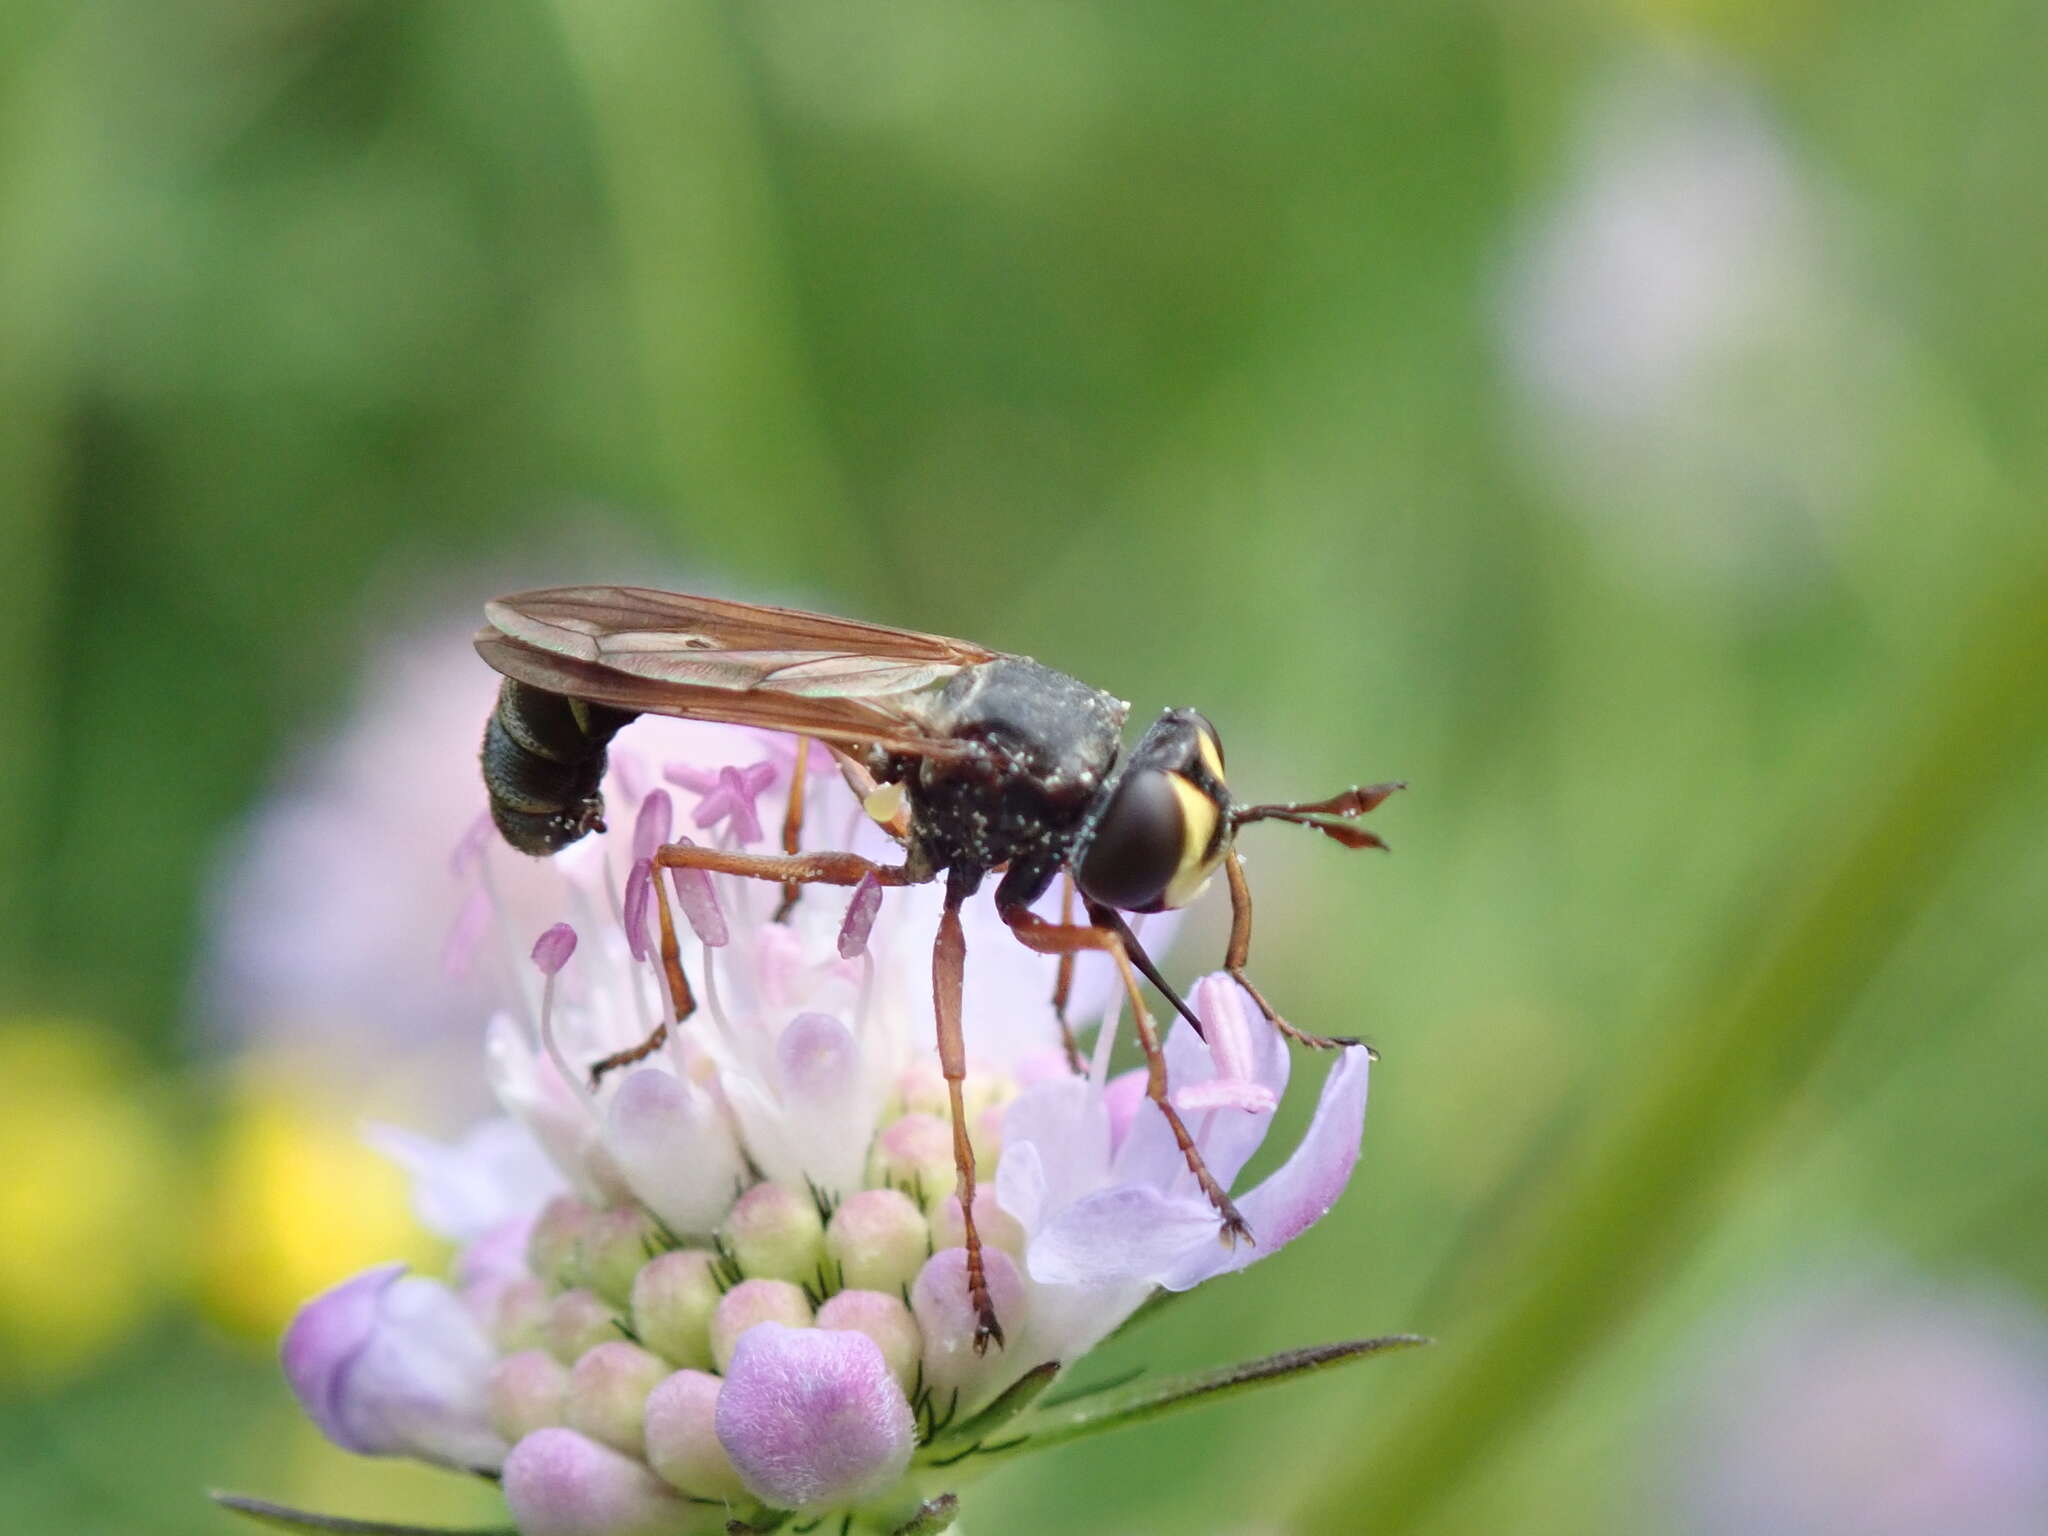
(1335, 817)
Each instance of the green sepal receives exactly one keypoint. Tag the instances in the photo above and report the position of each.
(932, 1517)
(1100, 1412)
(285, 1518)
(1011, 1401)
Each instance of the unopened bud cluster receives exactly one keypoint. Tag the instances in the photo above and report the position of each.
(632, 1335)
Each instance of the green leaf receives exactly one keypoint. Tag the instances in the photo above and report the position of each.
(1104, 1411)
(285, 1518)
(1011, 1401)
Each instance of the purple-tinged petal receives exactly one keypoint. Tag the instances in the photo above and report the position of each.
(560, 1483)
(394, 1365)
(468, 851)
(551, 951)
(673, 1147)
(471, 1187)
(1247, 1055)
(1067, 1126)
(860, 918)
(652, 826)
(1122, 1096)
(699, 901)
(813, 1418)
(1304, 1187)
(1129, 1232)
(324, 1340)
(458, 950)
(633, 917)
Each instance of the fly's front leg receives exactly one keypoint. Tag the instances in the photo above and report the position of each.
(949, 969)
(1070, 938)
(1240, 951)
(1063, 983)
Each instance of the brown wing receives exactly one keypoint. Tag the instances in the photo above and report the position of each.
(704, 658)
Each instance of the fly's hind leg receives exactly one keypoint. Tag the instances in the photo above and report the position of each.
(792, 870)
(793, 824)
(949, 967)
(1070, 938)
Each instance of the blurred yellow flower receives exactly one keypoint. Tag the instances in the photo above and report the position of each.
(298, 1200)
(89, 1236)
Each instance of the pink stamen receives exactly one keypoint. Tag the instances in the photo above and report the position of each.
(551, 951)
(656, 821)
(639, 888)
(699, 901)
(860, 917)
(733, 799)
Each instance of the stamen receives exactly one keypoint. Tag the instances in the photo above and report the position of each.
(656, 820)
(551, 951)
(860, 917)
(639, 891)
(699, 901)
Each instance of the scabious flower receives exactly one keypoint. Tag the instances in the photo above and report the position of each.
(1868, 1402)
(734, 1287)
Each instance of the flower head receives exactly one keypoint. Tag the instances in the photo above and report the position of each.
(736, 1282)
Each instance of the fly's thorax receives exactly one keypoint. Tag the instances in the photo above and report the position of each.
(1045, 745)
(1163, 825)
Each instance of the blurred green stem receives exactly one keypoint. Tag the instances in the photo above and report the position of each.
(731, 415)
(1772, 999)
(47, 168)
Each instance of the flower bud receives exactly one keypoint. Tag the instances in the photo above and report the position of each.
(526, 1393)
(616, 1243)
(998, 1228)
(775, 1233)
(577, 1323)
(947, 1320)
(607, 1393)
(921, 1089)
(391, 1364)
(674, 1296)
(752, 1302)
(682, 1437)
(883, 1318)
(519, 1316)
(914, 1154)
(554, 1249)
(560, 1483)
(813, 1419)
(879, 1239)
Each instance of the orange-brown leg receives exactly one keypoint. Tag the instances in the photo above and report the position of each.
(1068, 938)
(799, 870)
(793, 823)
(949, 967)
(1063, 982)
(1240, 952)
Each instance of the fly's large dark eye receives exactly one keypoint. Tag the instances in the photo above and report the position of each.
(1136, 848)
(1155, 845)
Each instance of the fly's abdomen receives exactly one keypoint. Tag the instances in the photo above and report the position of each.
(544, 761)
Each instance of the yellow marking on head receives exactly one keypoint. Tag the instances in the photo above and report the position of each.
(1200, 849)
(1212, 752)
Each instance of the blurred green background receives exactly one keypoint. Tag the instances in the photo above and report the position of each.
(1626, 422)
